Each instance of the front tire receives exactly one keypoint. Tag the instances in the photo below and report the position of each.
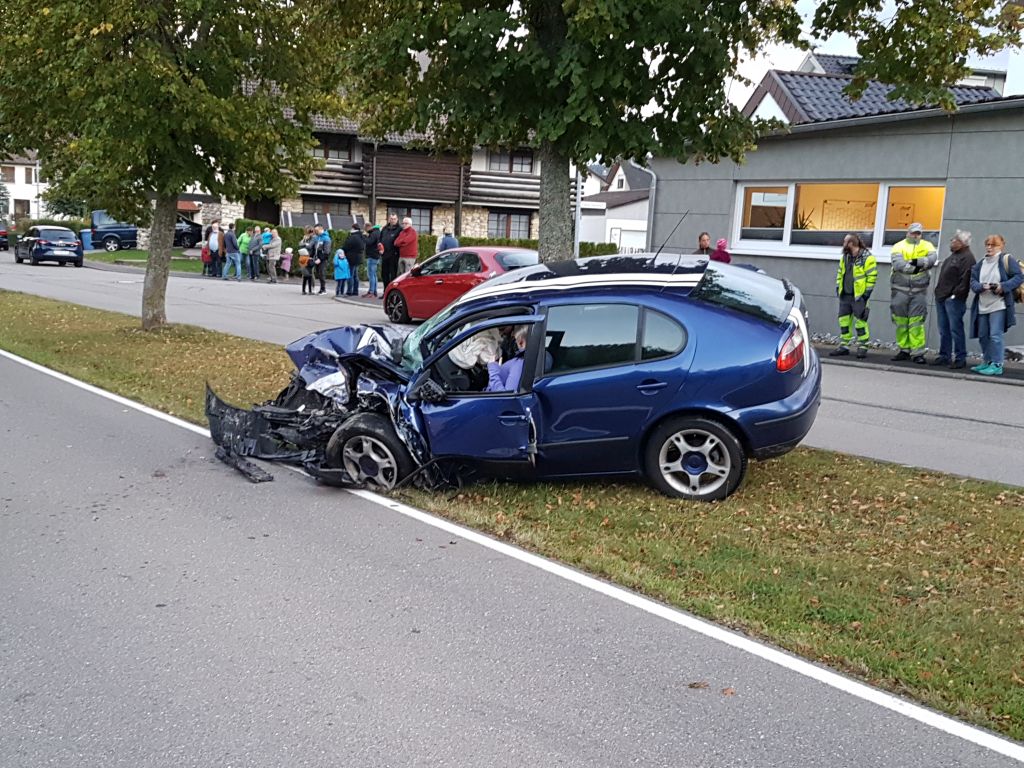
(17, 258)
(368, 449)
(111, 244)
(187, 241)
(396, 307)
(695, 458)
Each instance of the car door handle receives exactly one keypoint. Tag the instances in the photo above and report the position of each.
(438, 281)
(511, 419)
(650, 386)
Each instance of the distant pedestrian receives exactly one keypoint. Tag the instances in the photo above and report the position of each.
(321, 254)
(215, 243)
(447, 241)
(342, 271)
(858, 272)
(720, 253)
(703, 244)
(306, 270)
(243, 245)
(951, 291)
(232, 254)
(389, 253)
(354, 248)
(255, 251)
(408, 245)
(993, 281)
(273, 252)
(373, 250)
(286, 263)
(912, 260)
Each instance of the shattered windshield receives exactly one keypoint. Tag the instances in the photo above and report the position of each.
(412, 358)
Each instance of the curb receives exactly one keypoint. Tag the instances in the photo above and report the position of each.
(922, 371)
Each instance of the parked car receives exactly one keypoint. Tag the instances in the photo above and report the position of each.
(681, 372)
(437, 282)
(4, 241)
(49, 243)
(112, 235)
(186, 232)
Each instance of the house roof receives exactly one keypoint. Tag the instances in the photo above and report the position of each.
(599, 171)
(808, 97)
(836, 65)
(637, 178)
(614, 199)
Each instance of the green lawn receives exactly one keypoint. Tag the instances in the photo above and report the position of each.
(179, 263)
(908, 579)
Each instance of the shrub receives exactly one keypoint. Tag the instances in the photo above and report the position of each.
(75, 224)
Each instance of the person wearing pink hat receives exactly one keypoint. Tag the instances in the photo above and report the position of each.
(720, 254)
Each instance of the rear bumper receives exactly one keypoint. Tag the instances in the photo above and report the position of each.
(60, 259)
(777, 429)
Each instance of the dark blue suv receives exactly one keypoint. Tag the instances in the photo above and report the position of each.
(112, 235)
(678, 371)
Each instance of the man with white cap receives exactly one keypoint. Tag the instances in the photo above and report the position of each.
(912, 261)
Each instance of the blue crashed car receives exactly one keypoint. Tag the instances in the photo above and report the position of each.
(677, 370)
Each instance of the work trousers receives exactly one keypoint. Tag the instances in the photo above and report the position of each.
(909, 312)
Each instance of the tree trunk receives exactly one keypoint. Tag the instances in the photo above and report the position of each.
(555, 209)
(161, 239)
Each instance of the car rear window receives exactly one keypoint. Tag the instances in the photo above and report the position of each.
(510, 260)
(57, 234)
(103, 219)
(744, 290)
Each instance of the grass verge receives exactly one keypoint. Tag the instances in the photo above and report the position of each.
(179, 263)
(911, 580)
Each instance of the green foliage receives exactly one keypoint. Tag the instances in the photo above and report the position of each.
(72, 223)
(62, 203)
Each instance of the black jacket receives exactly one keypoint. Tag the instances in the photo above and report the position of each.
(955, 275)
(387, 236)
(353, 247)
(372, 239)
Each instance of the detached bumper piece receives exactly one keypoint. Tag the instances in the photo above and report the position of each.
(253, 473)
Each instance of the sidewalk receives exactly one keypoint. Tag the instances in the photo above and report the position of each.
(879, 359)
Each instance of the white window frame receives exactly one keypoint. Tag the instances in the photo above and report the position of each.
(783, 248)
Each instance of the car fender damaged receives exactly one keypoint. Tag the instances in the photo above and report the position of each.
(341, 373)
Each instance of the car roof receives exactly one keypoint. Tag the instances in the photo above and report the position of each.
(487, 249)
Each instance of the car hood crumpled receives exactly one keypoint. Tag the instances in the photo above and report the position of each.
(318, 354)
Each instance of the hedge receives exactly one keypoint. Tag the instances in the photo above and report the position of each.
(74, 224)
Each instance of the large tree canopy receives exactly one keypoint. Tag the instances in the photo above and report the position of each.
(623, 78)
(130, 103)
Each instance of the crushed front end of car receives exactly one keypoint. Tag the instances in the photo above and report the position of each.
(340, 374)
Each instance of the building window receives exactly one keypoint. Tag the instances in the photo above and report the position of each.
(30, 175)
(22, 209)
(823, 214)
(503, 161)
(333, 147)
(326, 205)
(7, 174)
(764, 213)
(907, 205)
(620, 184)
(508, 224)
(422, 218)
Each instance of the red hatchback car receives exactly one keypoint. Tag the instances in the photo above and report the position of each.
(438, 281)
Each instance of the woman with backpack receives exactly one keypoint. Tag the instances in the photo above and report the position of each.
(994, 282)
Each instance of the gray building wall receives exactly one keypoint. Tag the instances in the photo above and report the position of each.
(980, 156)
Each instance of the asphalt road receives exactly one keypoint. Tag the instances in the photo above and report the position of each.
(970, 428)
(158, 610)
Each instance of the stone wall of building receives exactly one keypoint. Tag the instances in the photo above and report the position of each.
(474, 221)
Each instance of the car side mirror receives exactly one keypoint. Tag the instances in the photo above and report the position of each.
(416, 271)
(427, 390)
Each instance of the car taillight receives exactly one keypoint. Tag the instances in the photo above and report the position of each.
(42, 242)
(792, 351)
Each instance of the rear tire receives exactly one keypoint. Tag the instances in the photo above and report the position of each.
(695, 458)
(78, 263)
(368, 449)
(396, 308)
(32, 259)
(186, 241)
(111, 244)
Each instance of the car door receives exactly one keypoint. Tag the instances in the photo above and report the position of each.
(28, 242)
(497, 427)
(424, 288)
(609, 371)
(467, 272)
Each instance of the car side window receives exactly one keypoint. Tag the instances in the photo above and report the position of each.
(441, 265)
(469, 263)
(662, 336)
(580, 336)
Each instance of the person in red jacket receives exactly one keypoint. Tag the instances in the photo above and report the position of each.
(720, 254)
(408, 245)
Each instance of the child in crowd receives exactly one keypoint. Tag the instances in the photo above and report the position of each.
(307, 271)
(342, 272)
(286, 262)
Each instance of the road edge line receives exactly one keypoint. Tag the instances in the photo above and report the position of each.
(970, 733)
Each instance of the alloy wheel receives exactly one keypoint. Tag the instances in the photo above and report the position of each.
(694, 462)
(370, 462)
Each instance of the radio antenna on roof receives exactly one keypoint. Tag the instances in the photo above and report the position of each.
(662, 246)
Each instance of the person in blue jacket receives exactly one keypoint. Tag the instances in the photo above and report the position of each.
(342, 273)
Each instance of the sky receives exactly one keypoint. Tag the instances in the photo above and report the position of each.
(786, 57)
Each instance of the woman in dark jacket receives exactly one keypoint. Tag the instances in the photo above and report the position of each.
(354, 247)
(951, 293)
(993, 281)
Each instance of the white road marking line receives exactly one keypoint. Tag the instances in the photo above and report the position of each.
(783, 659)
